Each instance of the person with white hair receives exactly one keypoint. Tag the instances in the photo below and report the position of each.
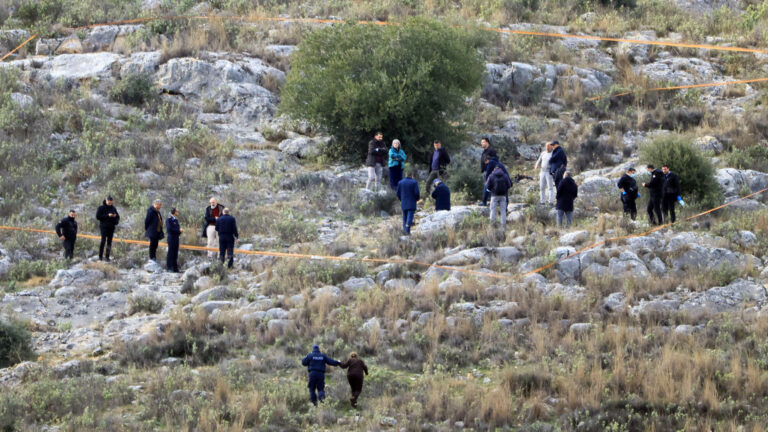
(396, 164)
(212, 213)
(546, 181)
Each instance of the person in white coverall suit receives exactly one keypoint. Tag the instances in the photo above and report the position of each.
(546, 182)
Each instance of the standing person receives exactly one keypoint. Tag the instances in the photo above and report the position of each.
(488, 153)
(315, 363)
(567, 191)
(546, 181)
(108, 218)
(628, 187)
(408, 194)
(498, 184)
(226, 226)
(671, 193)
(442, 196)
(212, 212)
(438, 161)
(174, 231)
(355, 368)
(558, 162)
(153, 228)
(396, 164)
(66, 229)
(655, 187)
(377, 149)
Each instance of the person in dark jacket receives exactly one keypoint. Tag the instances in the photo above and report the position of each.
(153, 228)
(670, 193)
(66, 229)
(558, 162)
(212, 212)
(498, 185)
(488, 153)
(108, 218)
(408, 194)
(377, 151)
(442, 196)
(315, 363)
(438, 161)
(655, 194)
(174, 231)
(628, 187)
(567, 191)
(226, 226)
(355, 368)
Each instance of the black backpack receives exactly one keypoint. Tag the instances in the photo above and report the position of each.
(501, 184)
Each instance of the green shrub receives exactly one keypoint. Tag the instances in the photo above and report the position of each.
(295, 229)
(409, 81)
(466, 177)
(696, 172)
(14, 344)
(754, 157)
(148, 303)
(133, 89)
(24, 270)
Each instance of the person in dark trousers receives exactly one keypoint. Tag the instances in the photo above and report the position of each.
(396, 164)
(408, 194)
(355, 367)
(558, 162)
(66, 229)
(438, 161)
(226, 226)
(498, 185)
(442, 196)
(567, 191)
(315, 363)
(654, 186)
(628, 187)
(212, 212)
(377, 151)
(174, 231)
(153, 228)
(108, 218)
(670, 193)
(488, 153)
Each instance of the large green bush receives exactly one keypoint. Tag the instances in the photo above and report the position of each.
(696, 172)
(134, 89)
(14, 344)
(409, 81)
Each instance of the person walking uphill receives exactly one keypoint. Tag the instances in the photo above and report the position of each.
(437, 163)
(670, 193)
(628, 187)
(174, 231)
(377, 149)
(226, 226)
(212, 212)
(108, 218)
(315, 363)
(153, 228)
(408, 194)
(567, 191)
(558, 162)
(498, 185)
(396, 164)
(488, 153)
(546, 181)
(655, 188)
(66, 229)
(355, 368)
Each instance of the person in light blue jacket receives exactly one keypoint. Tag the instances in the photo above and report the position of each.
(396, 164)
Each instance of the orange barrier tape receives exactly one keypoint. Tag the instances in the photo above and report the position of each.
(19, 47)
(718, 84)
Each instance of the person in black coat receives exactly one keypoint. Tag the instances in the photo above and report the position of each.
(567, 191)
(153, 228)
(558, 162)
(374, 161)
(498, 185)
(108, 218)
(488, 153)
(226, 226)
(66, 229)
(628, 187)
(212, 212)
(670, 193)
(442, 196)
(408, 194)
(655, 194)
(174, 231)
(438, 161)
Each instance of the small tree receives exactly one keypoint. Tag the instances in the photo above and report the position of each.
(696, 172)
(14, 344)
(409, 81)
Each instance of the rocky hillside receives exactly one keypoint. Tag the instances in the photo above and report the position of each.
(654, 331)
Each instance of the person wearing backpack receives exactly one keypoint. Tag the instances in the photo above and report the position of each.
(499, 184)
(628, 187)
